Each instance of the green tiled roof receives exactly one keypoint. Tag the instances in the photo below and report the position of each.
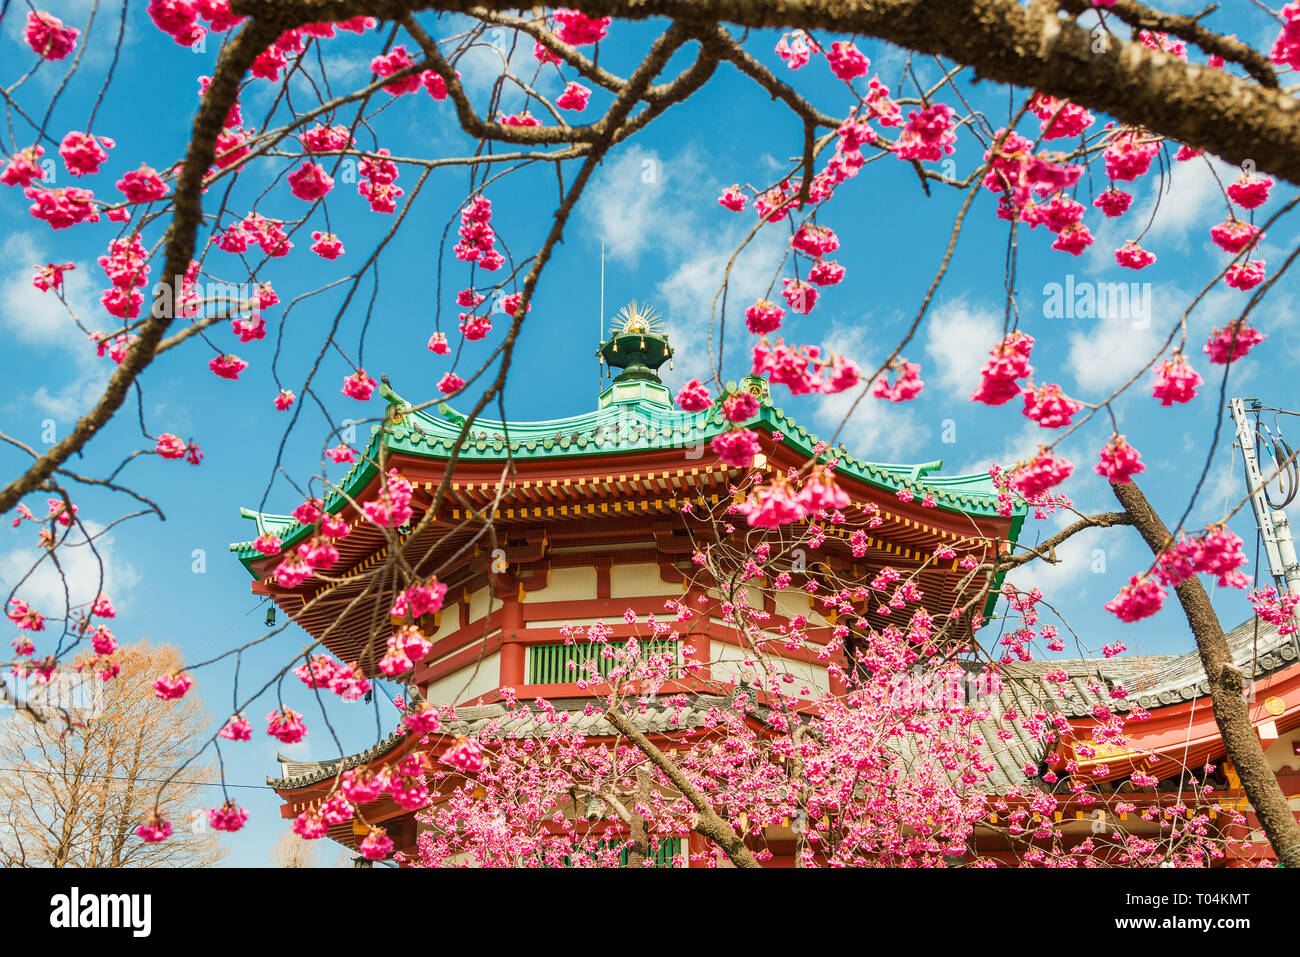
(616, 429)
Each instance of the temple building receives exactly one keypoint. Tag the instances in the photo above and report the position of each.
(587, 521)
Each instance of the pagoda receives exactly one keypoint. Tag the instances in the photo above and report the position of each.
(591, 515)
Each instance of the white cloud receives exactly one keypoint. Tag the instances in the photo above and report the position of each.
(876, 428)
(1105, 352)
(958, 338)
(39, 320)
(79, 571)
(1089, 553)
(640, 201)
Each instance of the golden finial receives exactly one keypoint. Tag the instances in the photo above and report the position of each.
(634, 318)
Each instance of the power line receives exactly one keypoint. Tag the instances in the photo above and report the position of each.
(118, 777)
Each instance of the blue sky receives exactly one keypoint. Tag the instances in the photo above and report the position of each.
(653, 203)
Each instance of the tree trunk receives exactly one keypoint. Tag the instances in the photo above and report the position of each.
(1226, 683)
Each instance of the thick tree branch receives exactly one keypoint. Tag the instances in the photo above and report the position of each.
(1234, 118)
(709, 823)
(1225, 681)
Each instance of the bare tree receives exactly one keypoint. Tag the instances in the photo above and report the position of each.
(76, 784)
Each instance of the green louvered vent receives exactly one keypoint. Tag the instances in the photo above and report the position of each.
(549, 664)
(664, 854)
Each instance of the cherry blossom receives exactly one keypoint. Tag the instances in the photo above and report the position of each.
(577, 29)
(846, 62)
(1049, 406)
(310, 182)
(694, 397)
(359, 386)
(1232, 341)
(1133, 256)
(1245, 275)
(48, 37)
(1235, 236)
(574, 97)
(1119, 461)
(732, 198)
(1176, 381)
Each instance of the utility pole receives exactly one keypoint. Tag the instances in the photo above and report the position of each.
(1265, 517)
(1274, 527)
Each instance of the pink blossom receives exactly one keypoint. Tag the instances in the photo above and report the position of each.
(763, 317)
(310, 182)
(63, 207)
(694, 397)
(1049, 406)
(22, 168)
(1129, 154)
(83, 153)
(376, 845)
(1073, 239)
(228, 817)
(736, 447)
(310, 825)
(359, 385)
(1245, 275)
(267, 544)
(1133, 256)
(1119, 461)
(826, 272)
(1139, 599)
(1060, 118)
(420, 600)
(1113, 202)
(928, 134)
(820, 492)
(361, 785)
(103, 641)
(286, 726)
(1008, 361)
(1250, 192)
(773, 505)
(1286, 48)
(292, 572)
(327, 245)
(449, 383)
(1176, 381)
(172, 686)
(236, 729)
(732, 198)
(739, 407)
(908, 385)
(142, 185)
(284, 400)
(574, 97)
(846, 62)
(799, 295)
(154, 830)
(178, 19)
(50, 276)
(1234, 235)
(795, 49)
(1043, 472)
(1232, 341)
(227, 366)
(438, 344)
(325, 139)
(464, 755)
(170, 446)
(395, 61)
(577, 29)
(50, 40)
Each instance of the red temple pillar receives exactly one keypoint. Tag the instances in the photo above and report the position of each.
(513, 649)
